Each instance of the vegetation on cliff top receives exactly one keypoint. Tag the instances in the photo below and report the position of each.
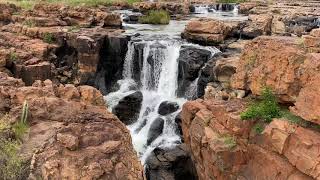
(155, 17)
(266, 109)
(28, 4)
(231, 1)
(12, 166)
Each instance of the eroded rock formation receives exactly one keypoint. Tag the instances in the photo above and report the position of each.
(224, 146)
(71, 134)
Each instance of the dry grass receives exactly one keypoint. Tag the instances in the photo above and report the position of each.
(29, 4)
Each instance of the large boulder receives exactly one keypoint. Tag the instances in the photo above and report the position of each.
(191, 60)
(128, 108)
(170, 164)
(207, 31)
(155, 130)
(167, 107)
(257, 25)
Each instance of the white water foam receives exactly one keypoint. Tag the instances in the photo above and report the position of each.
(159, 83)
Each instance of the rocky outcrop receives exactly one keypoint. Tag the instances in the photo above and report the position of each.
(170, 164)
(285, 65)
(71, 134)
(207, 31)
(6, 12)
(155, 130)
(167, 107)
(257, 25)
(271, 62)
(61, 43)
(225, 147)
(128, 108)
(172, 7)
(191, 60)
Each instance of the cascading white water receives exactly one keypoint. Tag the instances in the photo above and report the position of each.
(159, 83)
(158, 77)
(201, 9)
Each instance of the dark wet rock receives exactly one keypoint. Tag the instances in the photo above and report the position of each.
(155, 130)
(301, 24)
(191, 60)
(110, 66)
(144, 122)
(167, 107)
(170, 164)
(205, 77)
(178, 121)
(129, 107)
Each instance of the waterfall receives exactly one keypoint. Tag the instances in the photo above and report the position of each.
(158, 82)
(191, 92)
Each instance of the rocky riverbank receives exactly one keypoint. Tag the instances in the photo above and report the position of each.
(57, 62)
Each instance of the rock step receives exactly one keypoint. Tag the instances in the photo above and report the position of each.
(34, 47)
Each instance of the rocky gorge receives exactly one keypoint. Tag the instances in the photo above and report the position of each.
(106, 97)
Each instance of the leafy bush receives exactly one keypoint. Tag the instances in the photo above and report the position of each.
(266, 109)
(156, 17)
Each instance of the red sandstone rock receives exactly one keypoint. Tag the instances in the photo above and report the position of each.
(283, 151)
(271, 62)
(207, 31)
(71, 135)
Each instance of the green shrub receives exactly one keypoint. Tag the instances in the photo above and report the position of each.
(48, 38)
(13, 56)
(266, 109)
(156, 17)
(258, 128)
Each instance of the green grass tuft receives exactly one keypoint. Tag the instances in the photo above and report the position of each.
(12, 166)
(229, 141)
(266, 109)
(48, 38)
(156, 17)
(13, 56)
(292, 118)
(20, 129)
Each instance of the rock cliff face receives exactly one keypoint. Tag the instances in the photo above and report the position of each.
(55, 50)
(286, 65)
(224, 147)
(63, 44)
(71, 134)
